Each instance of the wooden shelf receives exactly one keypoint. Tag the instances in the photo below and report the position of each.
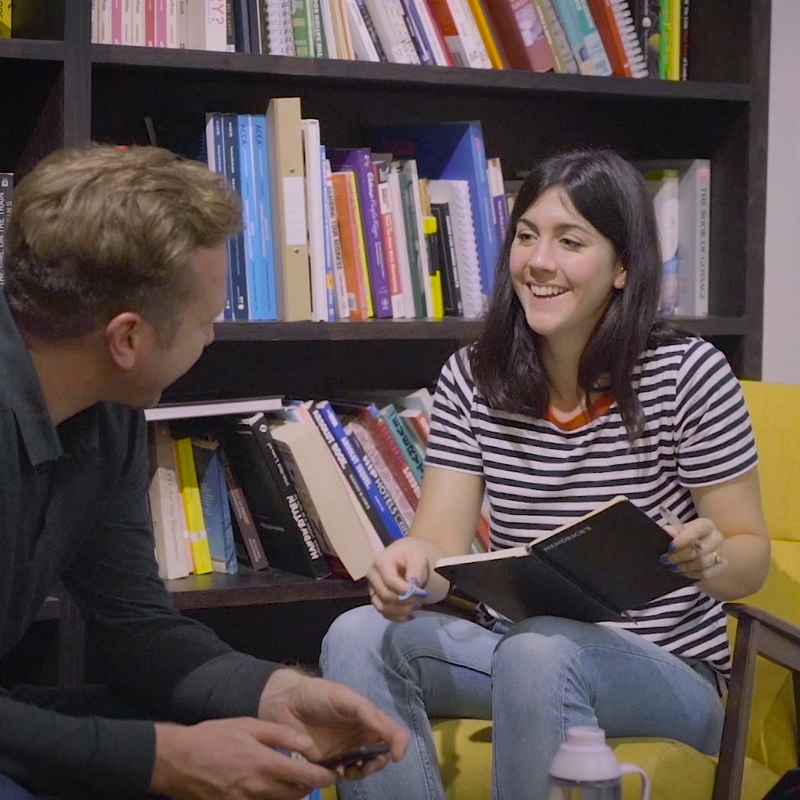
(454, 329)
(422, 77)
(31, 50)
(264, 587)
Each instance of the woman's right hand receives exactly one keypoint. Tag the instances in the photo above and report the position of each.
(403, 564)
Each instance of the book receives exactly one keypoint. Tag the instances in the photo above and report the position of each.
(288, 208)
(212, 408)
(522, 35)
(451, 151)
(594, 569)
(289, 541)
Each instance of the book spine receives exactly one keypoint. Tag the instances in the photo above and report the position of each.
(238, 266)
(339, 277)
(395, 500)
(316, 560)
(263, 201)
(417, 31)
(345, 466)
(387, 446)
(190, 491)
(369, 25)
(591, 37)
(256, 556)
(255, 264)
(327, 239)
(389, 241)
(6, 194)
(407, 445)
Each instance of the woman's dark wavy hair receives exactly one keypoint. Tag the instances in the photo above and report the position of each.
(506, 361)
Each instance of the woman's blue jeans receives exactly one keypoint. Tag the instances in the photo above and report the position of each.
(543, 676)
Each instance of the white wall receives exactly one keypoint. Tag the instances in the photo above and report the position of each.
(781, 355)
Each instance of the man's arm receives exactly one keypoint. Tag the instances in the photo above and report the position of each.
(144, 647)
(55, 754)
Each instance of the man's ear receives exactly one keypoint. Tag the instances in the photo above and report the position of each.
(127, 336)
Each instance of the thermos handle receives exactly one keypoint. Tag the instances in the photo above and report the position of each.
(626, 769)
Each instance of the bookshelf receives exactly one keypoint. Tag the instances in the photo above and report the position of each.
(62, 89)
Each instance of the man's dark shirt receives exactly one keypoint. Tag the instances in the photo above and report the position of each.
(73, 506)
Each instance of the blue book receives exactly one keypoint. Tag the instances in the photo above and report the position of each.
(214, 500)
(232, 170)
(263, 201)
(572, 28)
(327, 223)
(253, 222)
(215, 158)
(452, 151)
(371, 488)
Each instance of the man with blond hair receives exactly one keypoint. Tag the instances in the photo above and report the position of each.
(115, 270)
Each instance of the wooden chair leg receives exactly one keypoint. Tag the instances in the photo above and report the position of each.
(728, 781)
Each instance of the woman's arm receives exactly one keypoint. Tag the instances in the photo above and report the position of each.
(446, 519)
(735, 547)
(444, 525)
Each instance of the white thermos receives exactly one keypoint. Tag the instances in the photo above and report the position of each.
(585, 768)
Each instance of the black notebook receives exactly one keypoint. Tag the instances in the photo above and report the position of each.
(594, 569)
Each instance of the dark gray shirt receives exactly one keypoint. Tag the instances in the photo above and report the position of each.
(73, 506)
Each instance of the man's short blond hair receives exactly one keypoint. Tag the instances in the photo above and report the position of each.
(99, 230)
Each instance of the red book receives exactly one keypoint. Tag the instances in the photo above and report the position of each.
(522, 35)
(606, 23)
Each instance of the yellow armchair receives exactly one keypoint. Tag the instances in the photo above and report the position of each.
(677, 771)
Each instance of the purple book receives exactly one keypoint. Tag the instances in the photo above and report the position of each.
(359, 161)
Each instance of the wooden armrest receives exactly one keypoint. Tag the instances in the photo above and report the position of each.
(777, 624)
(758, 633)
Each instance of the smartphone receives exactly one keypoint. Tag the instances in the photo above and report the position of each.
(355, 757)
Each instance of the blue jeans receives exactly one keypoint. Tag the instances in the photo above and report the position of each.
(13, 791)
(543, 676)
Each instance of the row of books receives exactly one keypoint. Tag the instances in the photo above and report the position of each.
(625, 38)
(308, 487)
(682, 196)
(6, 199)
(406, 228)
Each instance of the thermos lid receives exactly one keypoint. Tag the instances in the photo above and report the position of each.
(585, 756)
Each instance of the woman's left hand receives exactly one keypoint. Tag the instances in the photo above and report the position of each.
(697, 551)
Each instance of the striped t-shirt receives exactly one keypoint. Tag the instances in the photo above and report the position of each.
(538, 476)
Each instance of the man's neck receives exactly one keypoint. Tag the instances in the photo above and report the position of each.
(68, 375)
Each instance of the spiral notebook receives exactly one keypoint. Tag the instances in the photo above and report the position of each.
(457, 195)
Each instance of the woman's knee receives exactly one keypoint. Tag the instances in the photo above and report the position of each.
(351, 636)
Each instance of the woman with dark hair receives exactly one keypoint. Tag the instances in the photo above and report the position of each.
(572, 394)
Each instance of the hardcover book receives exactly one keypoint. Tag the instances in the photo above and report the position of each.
(594, 569)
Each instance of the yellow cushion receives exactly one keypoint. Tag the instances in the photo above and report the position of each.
(775, 412)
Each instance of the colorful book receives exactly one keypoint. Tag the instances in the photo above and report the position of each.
(190, 491)
(453, 151)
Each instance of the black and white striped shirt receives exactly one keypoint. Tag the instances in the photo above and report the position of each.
(538, 476)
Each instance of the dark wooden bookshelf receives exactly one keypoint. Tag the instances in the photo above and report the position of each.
(261, 588)
(61, 89)
(439, 78)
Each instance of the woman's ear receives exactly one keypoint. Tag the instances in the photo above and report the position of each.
(621, 278)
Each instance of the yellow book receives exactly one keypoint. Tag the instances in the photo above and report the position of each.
(430, 226)
(487, 34)
(674, 41)
(362, 247)
(5, 19)
(190, 491)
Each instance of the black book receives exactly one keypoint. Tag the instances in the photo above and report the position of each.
(278, 513)
(451, 283)
(594, 569)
